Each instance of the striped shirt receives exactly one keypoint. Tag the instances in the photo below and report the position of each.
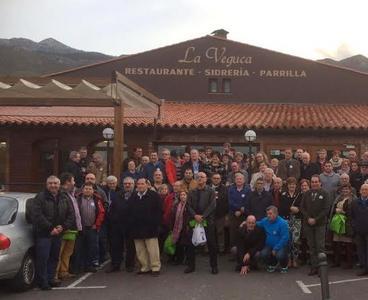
(88, 211)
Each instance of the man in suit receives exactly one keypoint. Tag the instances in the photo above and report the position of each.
(288, 167)
(315, 207)
(202, 208)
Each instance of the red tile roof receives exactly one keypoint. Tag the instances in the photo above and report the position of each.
(201, 115)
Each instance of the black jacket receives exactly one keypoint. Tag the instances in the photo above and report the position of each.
(144, 215)
(75, 169)
(257, 204)
(119, 210)
(49, 211)
(359, 216)
(222, 203)
(189, 165)
(249, 242)
(286, 202)
(202, 202)
(307, 171)
(65, 197)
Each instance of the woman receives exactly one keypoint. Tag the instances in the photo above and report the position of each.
(336, 160)
(260, 157)
(304, 187)
(179, 227)
(215, 166)
(342, 232)
(345, 167)
(226, 161)
(289, 210)
(167, 203)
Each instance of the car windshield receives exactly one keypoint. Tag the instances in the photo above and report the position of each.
(8, 210)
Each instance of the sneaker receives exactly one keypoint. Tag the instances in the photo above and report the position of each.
(270, 269)
(284, 270)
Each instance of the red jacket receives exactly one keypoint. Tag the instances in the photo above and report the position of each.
(167, 209)
(170, 170)
(100, 210)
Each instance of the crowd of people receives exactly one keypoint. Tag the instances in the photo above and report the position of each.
(273, 214)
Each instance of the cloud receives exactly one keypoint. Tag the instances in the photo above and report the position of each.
(342, 51)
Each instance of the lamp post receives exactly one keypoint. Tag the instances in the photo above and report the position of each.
(108, 134)
(250, 136)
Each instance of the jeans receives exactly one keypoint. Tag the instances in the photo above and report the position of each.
(88, 248)
(47, 257)
(281, 256)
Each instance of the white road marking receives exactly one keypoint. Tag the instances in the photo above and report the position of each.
(83, 278)
(303, 287)
(80, 287)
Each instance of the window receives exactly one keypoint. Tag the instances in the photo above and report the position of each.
(226, 85)
(8, 210)
(213, 85)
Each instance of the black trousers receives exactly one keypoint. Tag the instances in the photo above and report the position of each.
(362, 248)
(120, 242)
(211, 244)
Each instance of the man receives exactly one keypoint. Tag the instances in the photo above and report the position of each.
(321, 159)
(158, 180)
(235, 168)
(268, 179)
(288, 167)
(308, 168)
(73, 167)
(195, 164)
(358, 178)
(202, 207)
(177, 163)
(154, 165)
(277, 240)
(92, 214)
(276, 191)
(170, 168)
(329, 179)
(258, 201)
(352, 156)
(144, 162)
(117, 220)
(238, 197)
(136, 156)
(315, 207)
(91, 179)
(250, 242)
(188, 182)
(99, 168)
(298, 155)
(222, 209)
(67, 245)
(84, 160)
(144, 217)
(359, 215)
(51, 215)
(344, 180)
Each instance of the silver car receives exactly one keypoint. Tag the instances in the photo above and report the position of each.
(17, 262)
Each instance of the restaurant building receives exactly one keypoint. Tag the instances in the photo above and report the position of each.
(213, 89)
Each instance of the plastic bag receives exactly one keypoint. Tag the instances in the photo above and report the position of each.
(199, 235)
(169, 245)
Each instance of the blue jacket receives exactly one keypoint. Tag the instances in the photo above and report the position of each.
(237, 199)
(277, 232)
(150, 168)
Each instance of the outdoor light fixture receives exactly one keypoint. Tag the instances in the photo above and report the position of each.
(108, 133)
(250, 136)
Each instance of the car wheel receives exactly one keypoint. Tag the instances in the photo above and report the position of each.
(26, 275)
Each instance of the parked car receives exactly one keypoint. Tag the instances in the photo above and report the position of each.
(17, 262)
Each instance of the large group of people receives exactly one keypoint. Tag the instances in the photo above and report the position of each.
(266, 214)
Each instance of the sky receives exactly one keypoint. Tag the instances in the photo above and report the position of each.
(306, 28)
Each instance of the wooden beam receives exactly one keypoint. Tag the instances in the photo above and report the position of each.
(73, 102)
(118, 138)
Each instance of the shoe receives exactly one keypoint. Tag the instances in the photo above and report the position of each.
(112, 269)
(155, 273)
(144, 272)
(189, 270)
(91, 270)
(214, 270)
(129, 269)
(284, 270)
(362, 273)
(45, 288)
(66, 276)
(55, 283)
(270, 269)
(313, 271)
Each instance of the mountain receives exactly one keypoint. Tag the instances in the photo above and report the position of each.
(356, 62)
(24, 57)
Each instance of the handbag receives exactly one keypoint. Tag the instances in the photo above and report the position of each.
(337, 224)
(70, 235)
(169, 245)
(199, 235)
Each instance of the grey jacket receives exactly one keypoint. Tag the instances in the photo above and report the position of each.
(202, 202)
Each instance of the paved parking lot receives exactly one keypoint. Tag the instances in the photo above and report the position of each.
(173, 284)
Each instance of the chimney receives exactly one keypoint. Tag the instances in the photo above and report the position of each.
(221, 33)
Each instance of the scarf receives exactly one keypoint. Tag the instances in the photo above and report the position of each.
(179, 218)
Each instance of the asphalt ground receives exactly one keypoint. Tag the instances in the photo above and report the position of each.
(173, 284)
